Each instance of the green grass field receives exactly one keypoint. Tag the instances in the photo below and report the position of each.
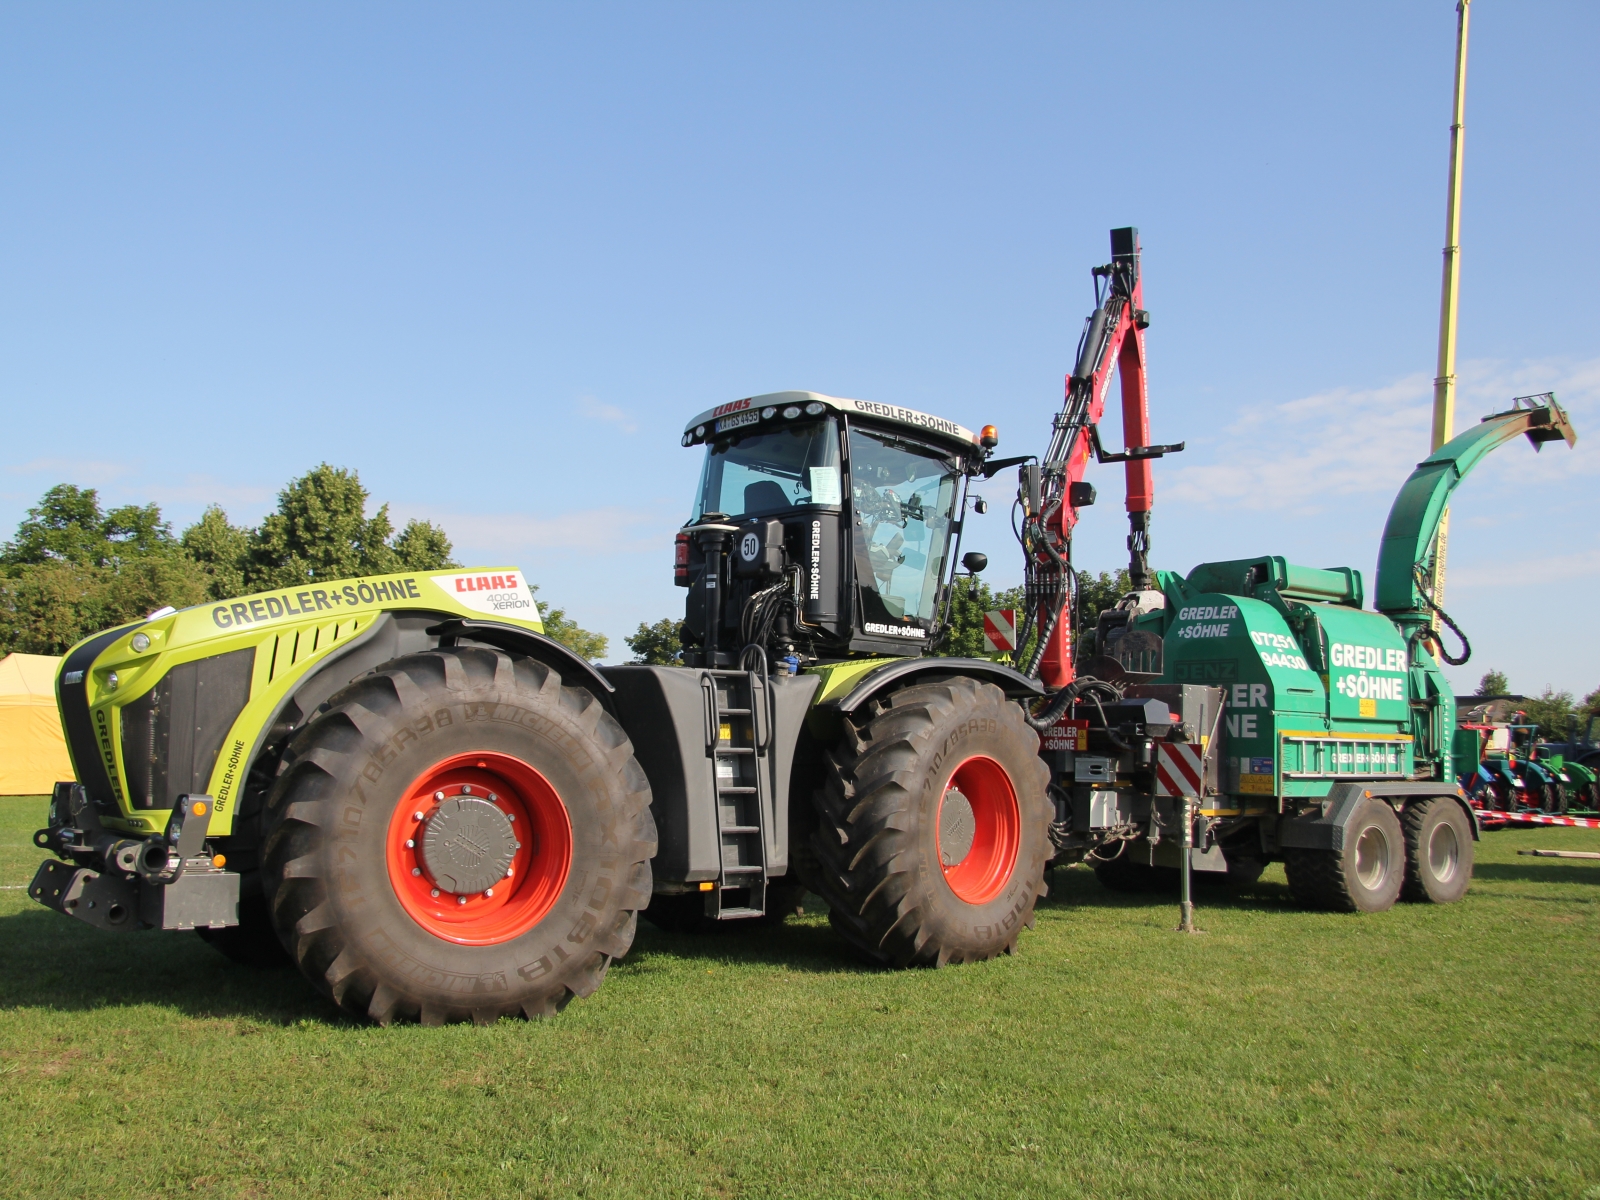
(1424, 1052)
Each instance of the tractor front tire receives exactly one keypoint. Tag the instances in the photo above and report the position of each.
(458, 836)
(1438, 851)
(1365, 876)
(932, 833)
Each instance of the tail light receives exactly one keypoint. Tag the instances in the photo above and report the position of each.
(680, 560)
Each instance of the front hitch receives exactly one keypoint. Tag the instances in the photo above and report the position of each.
(168, 881)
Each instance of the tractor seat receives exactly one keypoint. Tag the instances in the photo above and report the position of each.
(765, 496)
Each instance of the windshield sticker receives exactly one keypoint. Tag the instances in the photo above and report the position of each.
(825, 486)
(501, 595)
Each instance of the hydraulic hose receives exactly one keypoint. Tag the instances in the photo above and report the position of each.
(1428, 634)
(1086, 685)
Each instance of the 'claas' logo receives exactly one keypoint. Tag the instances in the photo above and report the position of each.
(485, 583)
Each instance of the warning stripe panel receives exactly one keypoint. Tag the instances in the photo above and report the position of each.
(1180, 769)
(1000, 629)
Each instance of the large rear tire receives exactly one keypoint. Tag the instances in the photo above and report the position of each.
(1365, 876)
(458, 836)
(1438, 851)
(933, 826)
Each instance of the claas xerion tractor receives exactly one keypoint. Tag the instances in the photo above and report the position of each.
(440, 813)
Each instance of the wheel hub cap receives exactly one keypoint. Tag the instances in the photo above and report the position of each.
(466, 845)
(956, 828)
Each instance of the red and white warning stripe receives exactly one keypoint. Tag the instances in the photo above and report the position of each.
(1000, 630)
(1180, 769)
(1491, 817)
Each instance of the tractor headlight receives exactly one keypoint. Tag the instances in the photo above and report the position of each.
(112, 681)
(140, 642)
(768, 413)
(791, 412)
(814, 409)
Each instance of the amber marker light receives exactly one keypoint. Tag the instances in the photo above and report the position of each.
(219, 861)
(989, 438)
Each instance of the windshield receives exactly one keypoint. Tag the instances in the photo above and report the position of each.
(767, 472)
(904, 495)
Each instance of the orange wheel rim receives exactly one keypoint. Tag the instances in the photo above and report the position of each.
(986, 868)
(514, 902)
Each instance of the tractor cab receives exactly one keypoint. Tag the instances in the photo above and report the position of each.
(822, 528)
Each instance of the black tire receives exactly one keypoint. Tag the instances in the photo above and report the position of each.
(878, 847)
(335, 900)
(1439, 851)
(1365, 876)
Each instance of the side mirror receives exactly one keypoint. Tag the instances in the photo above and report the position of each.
(974, 562)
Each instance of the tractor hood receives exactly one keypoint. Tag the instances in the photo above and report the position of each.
(185, 694)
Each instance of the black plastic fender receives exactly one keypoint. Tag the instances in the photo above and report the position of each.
(898, 674)
(1325, 831)
(574, 669)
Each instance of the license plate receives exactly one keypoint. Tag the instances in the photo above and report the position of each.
(738, 421)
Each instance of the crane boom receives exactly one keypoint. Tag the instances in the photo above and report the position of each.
(1052, 493)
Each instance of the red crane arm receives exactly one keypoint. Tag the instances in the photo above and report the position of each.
(1113, 341)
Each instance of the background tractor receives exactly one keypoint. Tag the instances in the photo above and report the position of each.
(442, 814)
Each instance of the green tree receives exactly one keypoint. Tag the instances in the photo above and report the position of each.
(67, 525)
(1493, 683)
(1551, 711)
(321, 531)
(222, 551)
(1591, 703)
(73, 570)
(46, 607)
(423, 546)
(964, 637)
(569, 633)
(660, 644)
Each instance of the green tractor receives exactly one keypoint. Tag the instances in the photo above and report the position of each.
(442, 814)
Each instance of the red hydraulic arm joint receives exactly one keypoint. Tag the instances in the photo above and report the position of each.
(1113, 341)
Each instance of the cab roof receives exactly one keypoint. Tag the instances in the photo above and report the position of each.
(778, 407)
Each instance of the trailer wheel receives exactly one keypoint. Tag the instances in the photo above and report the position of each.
(933, 826)
(458, 836)
(1438, 851)
(1363, 877)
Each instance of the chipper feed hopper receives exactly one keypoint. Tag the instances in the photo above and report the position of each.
(439, 813)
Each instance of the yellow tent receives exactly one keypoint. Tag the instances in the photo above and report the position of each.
(33, 752)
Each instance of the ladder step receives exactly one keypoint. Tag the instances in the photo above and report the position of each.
(734, 913)
(735, 750)
(741, 829)
(734, 712)
(736, 791)
(744, 871)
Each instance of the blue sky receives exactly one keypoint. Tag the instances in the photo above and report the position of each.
(493, 256)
